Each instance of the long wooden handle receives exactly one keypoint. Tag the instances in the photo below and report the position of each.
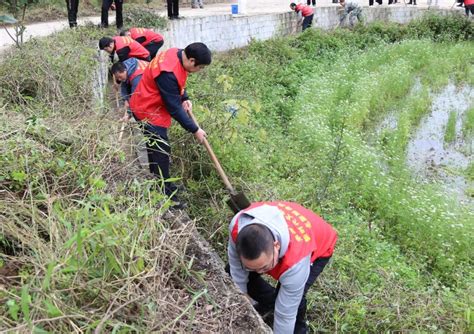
(214, 159)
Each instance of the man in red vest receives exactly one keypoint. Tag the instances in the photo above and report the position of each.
(152, 41)
(305, 14)
(160, 96)
(125, 47)
(288, 242)
(128, 74)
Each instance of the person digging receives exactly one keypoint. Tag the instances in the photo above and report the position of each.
(152, 41)
(128, 74)
(305, 15)
(125, 47)
(159, 97)
(288, 242)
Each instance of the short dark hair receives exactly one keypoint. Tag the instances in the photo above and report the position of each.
(104, 42)
(200, 52)
(253, 240)
(118, 67)
(292, 5)
(123, 32)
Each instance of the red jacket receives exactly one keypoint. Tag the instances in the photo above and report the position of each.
(468, 2)
(309, 234)
(136, 49)
(305, 10)
(150, 35)
(146, 103)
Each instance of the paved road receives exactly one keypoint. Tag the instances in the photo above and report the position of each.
(252, 8)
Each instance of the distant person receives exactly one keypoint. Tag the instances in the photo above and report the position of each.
(152, 41)
(305, 14)
(460, 3)
(412, 2)
(371, 2)
(160, 96)
(173, 9)
(72, 6)
(309, 2)
(352, 10)
(197, 3)
(125, 47)
(128, 74)
(469, 7)
(288, 242)
(104, 17)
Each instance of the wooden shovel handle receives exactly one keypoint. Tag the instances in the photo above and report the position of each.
(214, 159)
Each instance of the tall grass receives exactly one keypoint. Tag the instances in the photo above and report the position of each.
(306, 108)
(84, 245)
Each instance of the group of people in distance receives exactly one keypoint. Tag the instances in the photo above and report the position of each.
(306, 13)
(282, 239)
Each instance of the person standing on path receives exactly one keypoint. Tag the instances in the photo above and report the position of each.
(160, 96)
(72, 6)
(173, 9)
(305, 14)
(288, 242)
(104, 17)
(125, 47)
(152, 41)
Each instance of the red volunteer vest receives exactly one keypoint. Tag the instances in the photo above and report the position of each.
(141, 66)
(150, 35)
(146, 103)
(468, 2)
(309, 234)
(136, 49)
(305, 10)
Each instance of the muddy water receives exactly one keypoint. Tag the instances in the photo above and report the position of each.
(429, 157)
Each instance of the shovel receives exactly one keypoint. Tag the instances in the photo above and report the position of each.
(238, 201)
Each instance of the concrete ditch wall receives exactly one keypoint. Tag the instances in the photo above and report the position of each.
(226, 32)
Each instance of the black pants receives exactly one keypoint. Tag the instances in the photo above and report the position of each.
(153, 48)
(265, 294)
(308, 2)
(104, 18)
(307, 21)
(469, 8)
(159, 151)
(173, 8)
(72, 6)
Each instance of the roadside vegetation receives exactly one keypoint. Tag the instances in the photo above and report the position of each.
(291, 118)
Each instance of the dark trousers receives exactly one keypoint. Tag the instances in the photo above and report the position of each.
(104, 17)
(469, 8)
(308, 2)
(72, 6)
(153, 48)
(265, 294)
(307, 21)
(173, 8)
(159, 151)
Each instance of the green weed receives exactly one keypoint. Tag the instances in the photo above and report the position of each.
(450, 131)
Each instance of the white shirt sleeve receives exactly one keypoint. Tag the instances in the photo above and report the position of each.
(239, 275)
(289, 296)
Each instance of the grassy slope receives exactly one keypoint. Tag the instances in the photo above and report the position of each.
(81, 229)
(305, 109)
